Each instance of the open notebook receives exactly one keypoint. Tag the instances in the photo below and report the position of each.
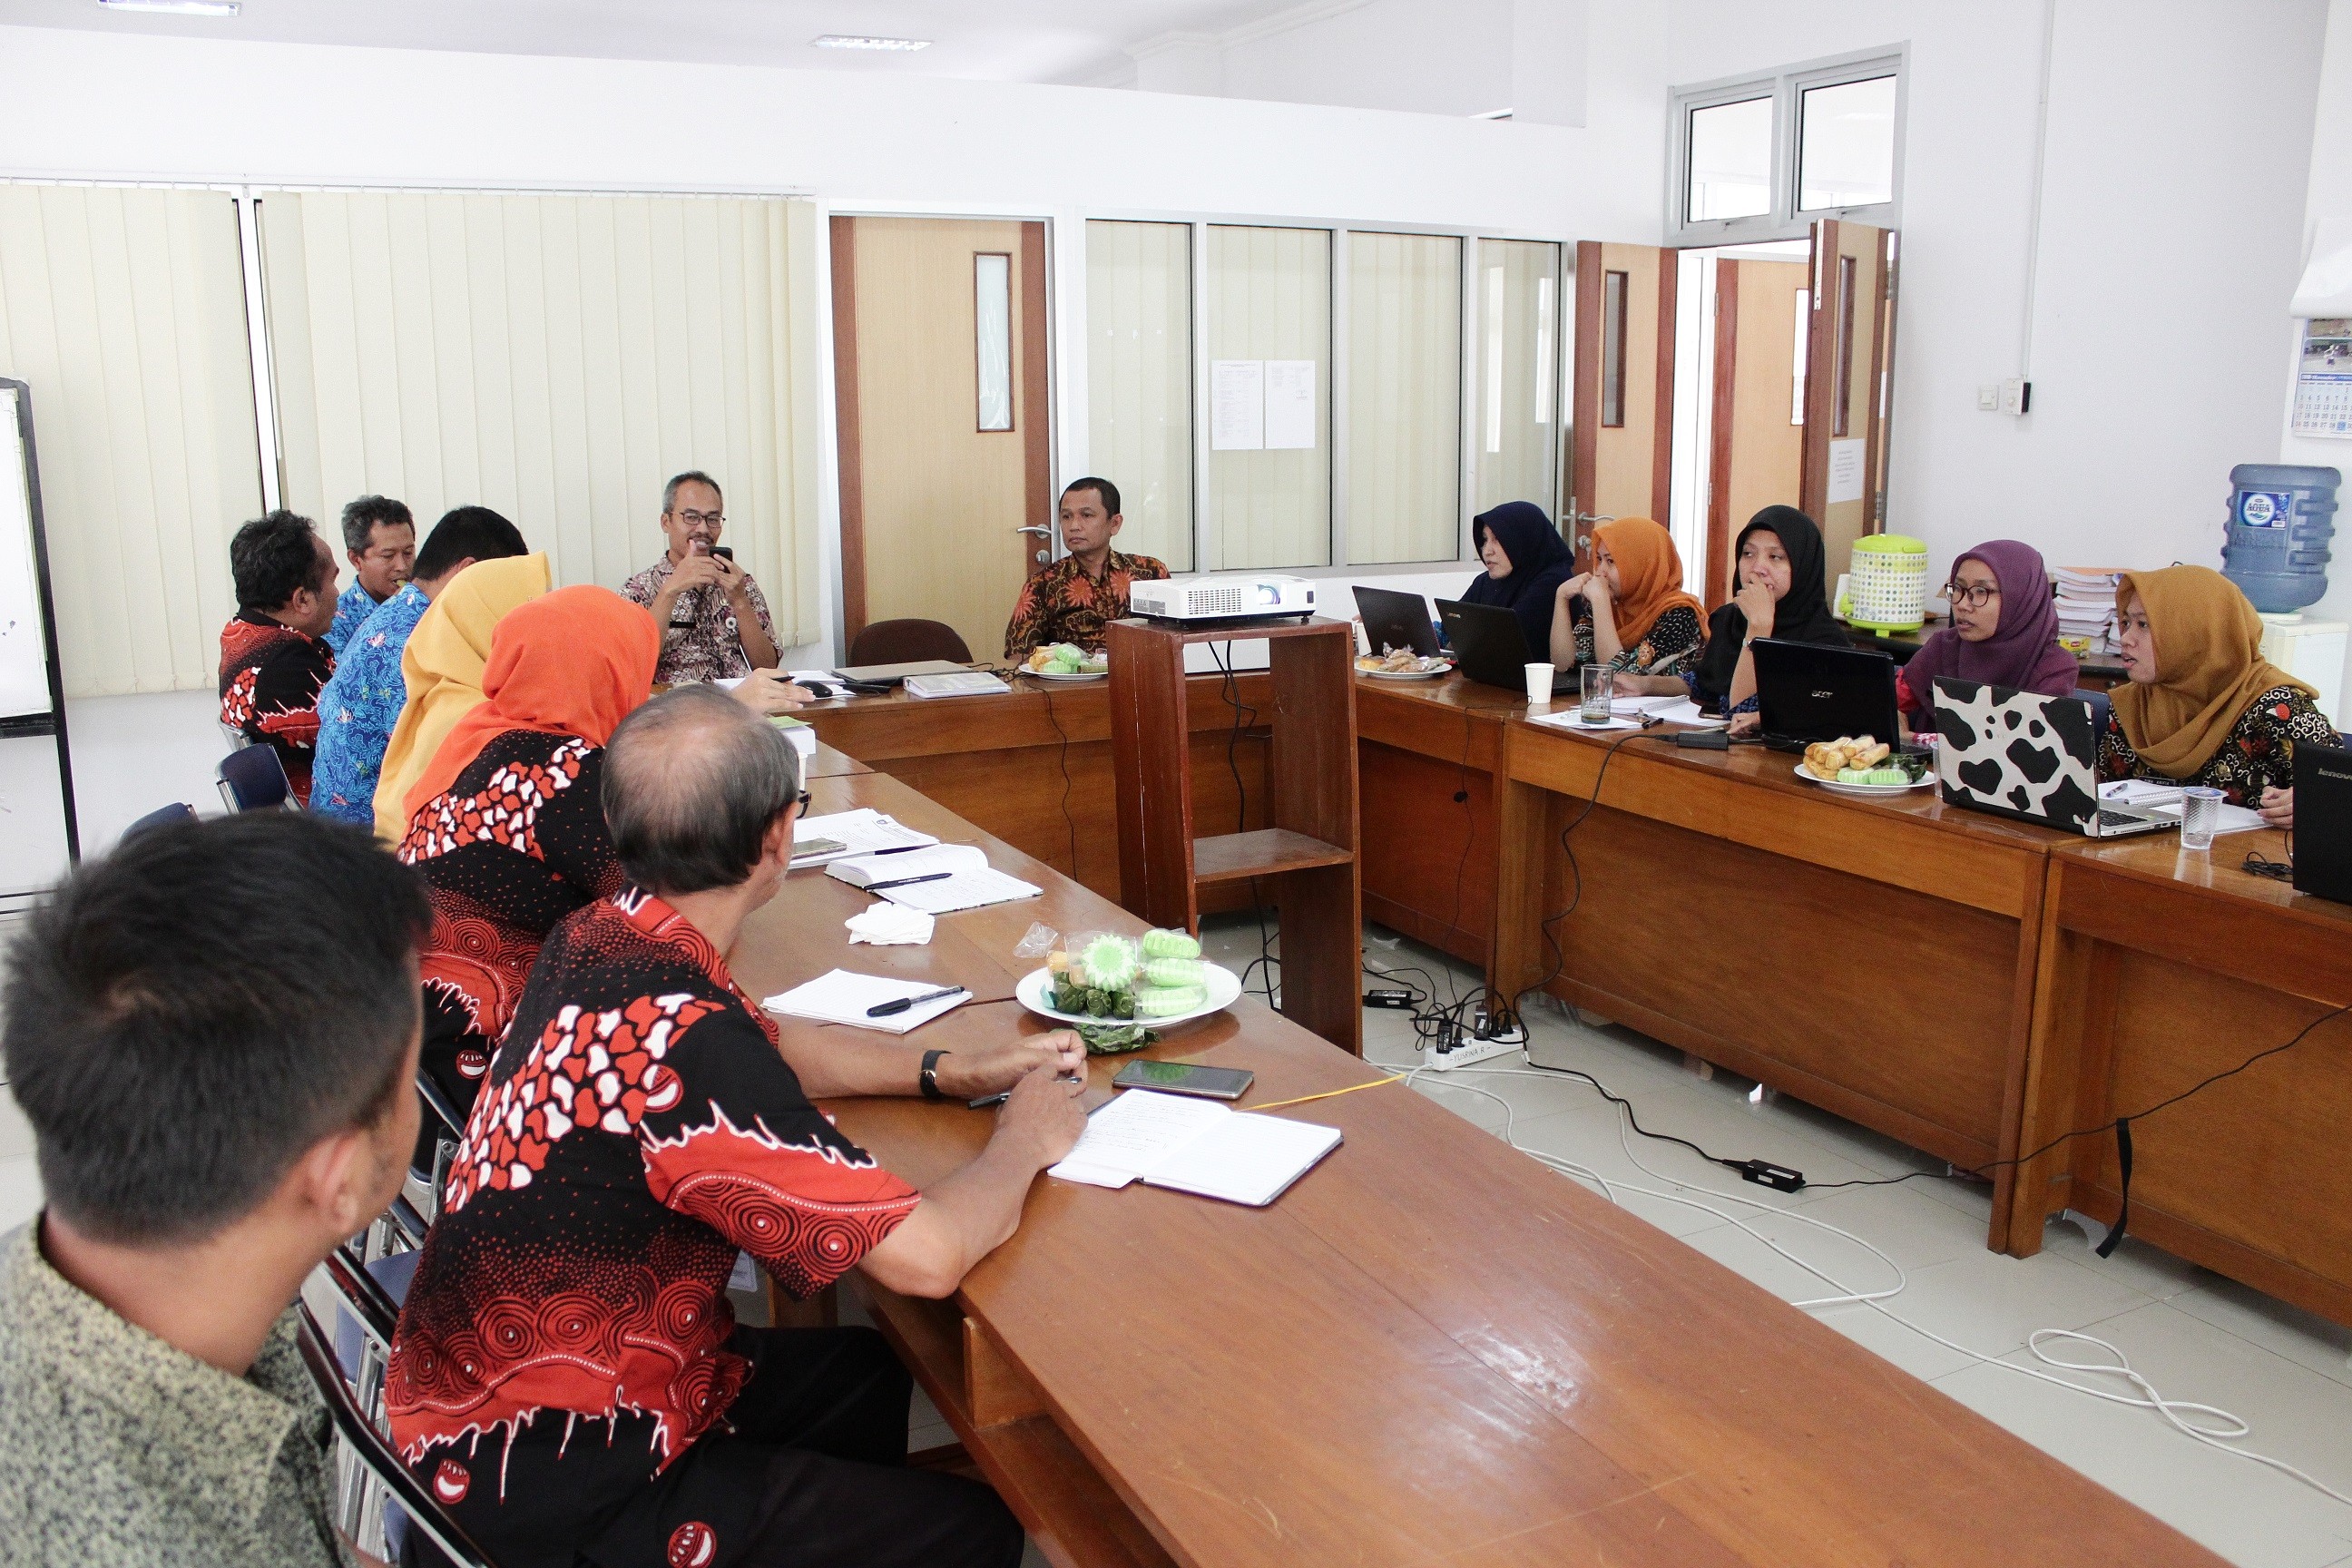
(1195, 1146)
(937, 880)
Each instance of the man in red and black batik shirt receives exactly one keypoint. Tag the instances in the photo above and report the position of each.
(567, 1376)
(274, 655)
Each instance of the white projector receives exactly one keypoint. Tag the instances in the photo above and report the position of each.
(1221, 596)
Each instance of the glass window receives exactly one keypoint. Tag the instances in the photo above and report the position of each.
(1140, 380)
(1845, 150)
(992, 315)
(1269, 491)
(1613, 348)
(1404, 397)
(1518, 357)
(1730, 173)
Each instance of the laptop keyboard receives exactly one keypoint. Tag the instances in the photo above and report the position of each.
(2120, 820)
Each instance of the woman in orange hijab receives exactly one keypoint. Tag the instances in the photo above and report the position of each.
(504, 822)
(1629, 612)
(2203, 706)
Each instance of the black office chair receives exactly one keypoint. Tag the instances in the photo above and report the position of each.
(170, 815)
(448, 1130)
(255, 780)
(904, 641)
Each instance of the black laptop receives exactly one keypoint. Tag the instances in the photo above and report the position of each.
(1397, 620)
(1810, 693)
(1489, 647)
(2323, 822)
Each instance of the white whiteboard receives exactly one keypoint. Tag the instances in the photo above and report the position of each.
(24, 642)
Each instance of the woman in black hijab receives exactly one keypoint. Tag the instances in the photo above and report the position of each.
(1777, 592)
(1527, 561)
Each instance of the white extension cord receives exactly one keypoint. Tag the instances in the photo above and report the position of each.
(2208, 1424)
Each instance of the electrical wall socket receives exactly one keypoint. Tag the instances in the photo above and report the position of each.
(1988, 397)
(2016, 396)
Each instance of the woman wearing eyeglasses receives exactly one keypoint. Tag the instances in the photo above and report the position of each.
(2203, 706)
(2004, 632)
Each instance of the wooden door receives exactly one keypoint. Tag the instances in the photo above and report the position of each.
(1845, 368)
(1756, 425)
(1621, 459)
(941, 470)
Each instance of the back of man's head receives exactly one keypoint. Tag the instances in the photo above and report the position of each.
(693, 781)
(362, 517)
(466, 533)
(187, 1016)
(274, 557)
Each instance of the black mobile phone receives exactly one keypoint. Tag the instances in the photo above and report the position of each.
(724, 551)
(1185, 1078)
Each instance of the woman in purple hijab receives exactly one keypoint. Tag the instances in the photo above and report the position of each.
(2004, 632)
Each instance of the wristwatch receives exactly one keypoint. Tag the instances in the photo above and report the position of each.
(928, 1077)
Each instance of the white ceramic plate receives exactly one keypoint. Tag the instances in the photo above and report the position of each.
(1036, 988)
(1082, 675)
(1864, 789)
(1406, 674)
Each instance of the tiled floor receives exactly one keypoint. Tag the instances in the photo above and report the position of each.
(2194, 1334)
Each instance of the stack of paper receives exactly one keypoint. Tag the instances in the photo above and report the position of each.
(886, 924)
(1195, 1146)
(817, 841)
(2086, 603)
(840, 996)
(938, 880)
(1572, 718)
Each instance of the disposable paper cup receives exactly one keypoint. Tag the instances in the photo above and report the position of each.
(1539, 682)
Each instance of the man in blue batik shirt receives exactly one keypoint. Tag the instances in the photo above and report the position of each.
(358, 707)
(380, 539)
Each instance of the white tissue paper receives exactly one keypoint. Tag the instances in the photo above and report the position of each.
(886, 924)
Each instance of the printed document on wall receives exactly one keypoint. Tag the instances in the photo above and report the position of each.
(1845, 471)
(1289, 404)
(2323, 382)
(1237, 405)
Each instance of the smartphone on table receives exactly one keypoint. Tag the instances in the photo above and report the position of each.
(1186, 1078)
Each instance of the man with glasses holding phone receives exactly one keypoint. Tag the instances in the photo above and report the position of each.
(714, 620)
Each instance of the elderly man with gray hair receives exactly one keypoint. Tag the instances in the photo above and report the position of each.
(567, 1374)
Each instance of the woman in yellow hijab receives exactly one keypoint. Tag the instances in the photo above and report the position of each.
(1629, 612)
(2203, 706)
(443, 666)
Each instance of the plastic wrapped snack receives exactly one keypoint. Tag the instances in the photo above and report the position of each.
(1170, 944)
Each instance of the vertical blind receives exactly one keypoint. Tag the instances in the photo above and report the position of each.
(556, 358)
(1404, 397)
(1140, 380)
(125, 311)
(1518, 426)
(1270, 298)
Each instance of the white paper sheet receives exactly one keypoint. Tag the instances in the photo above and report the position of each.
(859, 832)
(1237, 405)
(842, 997)
(865, 871)
(1289, 404)
(964, 890)
(1845, 469)
(1128, 1137)
(1244, 1159)
(1573, 718)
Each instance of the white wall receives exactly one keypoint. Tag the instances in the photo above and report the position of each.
(2179, 136)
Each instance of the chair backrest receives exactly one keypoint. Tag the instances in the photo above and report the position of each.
(253, 780)
(161, 816)
(375, 1452)
(903, 642)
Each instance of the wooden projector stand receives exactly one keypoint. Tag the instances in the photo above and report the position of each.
(1308, 851)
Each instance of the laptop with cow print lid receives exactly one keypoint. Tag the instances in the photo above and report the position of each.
(2035, 758)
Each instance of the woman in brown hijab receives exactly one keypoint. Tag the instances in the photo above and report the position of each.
(2203, 706)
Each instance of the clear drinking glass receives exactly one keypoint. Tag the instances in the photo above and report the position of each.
(1598, 683)
(2200, 813)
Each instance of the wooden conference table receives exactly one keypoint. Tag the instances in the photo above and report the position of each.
(1430, 1348)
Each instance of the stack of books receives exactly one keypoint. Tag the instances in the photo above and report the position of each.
(2087, 605)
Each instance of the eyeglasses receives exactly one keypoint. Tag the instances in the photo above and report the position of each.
(1975, 596)
(700, 519)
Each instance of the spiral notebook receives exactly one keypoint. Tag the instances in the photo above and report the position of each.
(1195, 1146)
(937, 880)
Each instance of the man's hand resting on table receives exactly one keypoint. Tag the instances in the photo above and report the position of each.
(969, 1074)
(770, 691)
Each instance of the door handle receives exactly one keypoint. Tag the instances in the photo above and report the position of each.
(1033, 528)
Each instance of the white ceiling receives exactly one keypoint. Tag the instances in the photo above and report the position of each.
(1000, 40)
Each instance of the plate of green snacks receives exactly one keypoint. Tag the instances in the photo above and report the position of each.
(1101, 978)
(1067, 661)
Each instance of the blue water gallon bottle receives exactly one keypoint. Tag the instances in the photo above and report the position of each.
(2281, 519)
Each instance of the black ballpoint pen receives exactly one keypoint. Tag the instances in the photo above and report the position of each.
(908, 881)
(886, 1009)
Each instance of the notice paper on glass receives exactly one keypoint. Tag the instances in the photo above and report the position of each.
(1289, 404)
(1845, 469)
(1237, 405)
(1195, 1146)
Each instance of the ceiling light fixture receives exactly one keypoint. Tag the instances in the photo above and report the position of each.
(176, 8)
(859, 41)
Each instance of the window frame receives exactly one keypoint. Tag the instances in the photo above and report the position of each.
(1785, 87)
